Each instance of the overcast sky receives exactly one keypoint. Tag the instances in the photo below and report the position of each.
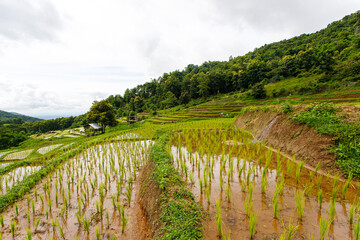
(58, 56)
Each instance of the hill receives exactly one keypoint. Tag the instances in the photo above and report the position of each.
(309, 63)
(4, 116)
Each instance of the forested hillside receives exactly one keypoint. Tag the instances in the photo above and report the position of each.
(7, 117)
(329, 58)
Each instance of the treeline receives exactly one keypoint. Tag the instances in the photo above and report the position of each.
(14, 131)
(332, 55)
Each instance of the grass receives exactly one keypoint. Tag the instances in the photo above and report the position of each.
(180, 217)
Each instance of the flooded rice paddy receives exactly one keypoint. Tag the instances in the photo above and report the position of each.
(249, 191)
(91, 196)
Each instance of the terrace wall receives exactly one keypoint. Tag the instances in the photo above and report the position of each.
(291, 138)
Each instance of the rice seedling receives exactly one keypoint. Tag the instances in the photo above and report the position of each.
(320, 197)
(263, 184)
(289, 231)
(28, 234)
(346, 185)
(317, 167)
(124, 220)
(61, 232)
(275, 202)
(37, 223)
(54, 224)
(357, 230)
(228, 194)
(252, 224)
(298, 170)
(218, 219)
(300, 204)
(86, 224)
(307, 189)
(207, 194)
(12, 227)
(332, 211)
(334, 193)
(97, 232)
(351, 213)
(16, 209)
(28, 216)
(2, 220)
(324, 225)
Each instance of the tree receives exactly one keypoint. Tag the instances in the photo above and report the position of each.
(258, 91)
(102, 113)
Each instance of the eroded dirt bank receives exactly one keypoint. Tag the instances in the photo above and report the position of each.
(291, 138)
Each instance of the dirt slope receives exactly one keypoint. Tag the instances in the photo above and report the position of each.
(291, 138)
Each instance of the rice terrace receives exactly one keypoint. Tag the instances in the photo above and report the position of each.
(277, 157)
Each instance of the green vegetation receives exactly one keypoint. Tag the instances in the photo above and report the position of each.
(323, 117)
(310, 63)
(180, 217)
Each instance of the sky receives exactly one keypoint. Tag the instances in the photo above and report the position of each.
(58, 56)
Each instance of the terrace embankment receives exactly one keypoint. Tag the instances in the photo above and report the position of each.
(169, 206)
(291, 138)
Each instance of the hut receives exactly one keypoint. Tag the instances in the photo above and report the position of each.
(91, 129)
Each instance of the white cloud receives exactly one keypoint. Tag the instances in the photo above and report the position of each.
(57, 56)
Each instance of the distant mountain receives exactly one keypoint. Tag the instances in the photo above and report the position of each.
(11, 115)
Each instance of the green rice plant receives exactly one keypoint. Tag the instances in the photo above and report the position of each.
(201, 186)
(307, 189)
(318, 165)
(324, 225)
(252, 224)
(28, 234)
(336, 180)
(33, 207)
(263, 184)
(300, 204)
(311, 176)
(28, 216)
(97, 232)
(248, 205)
(207, 193)
(47, 213)
(298, 170)
(53, 224)
(332, 211)
(16, 209)
(318, 181)
(290, 166)
(2, 220)
(346, 185)
(334, 193)
(124, 220)
(275, 203)
(218, 219)
(107, 219)
(289, 231)
(12, 227)
(36, 224)
(357, 230)
(61, 232)
(227, 192)
(320, 197)
(351, 213)
(86, 224)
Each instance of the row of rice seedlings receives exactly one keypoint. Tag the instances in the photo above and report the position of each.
(96, 171)
(197, 150)
(10, 179)
(47, 149)
(18, 155)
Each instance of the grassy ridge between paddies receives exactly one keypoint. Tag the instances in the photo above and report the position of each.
(170, 206)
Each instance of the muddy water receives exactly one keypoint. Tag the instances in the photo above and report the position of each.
(253, 158)
(72, 194)
(11, 178)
